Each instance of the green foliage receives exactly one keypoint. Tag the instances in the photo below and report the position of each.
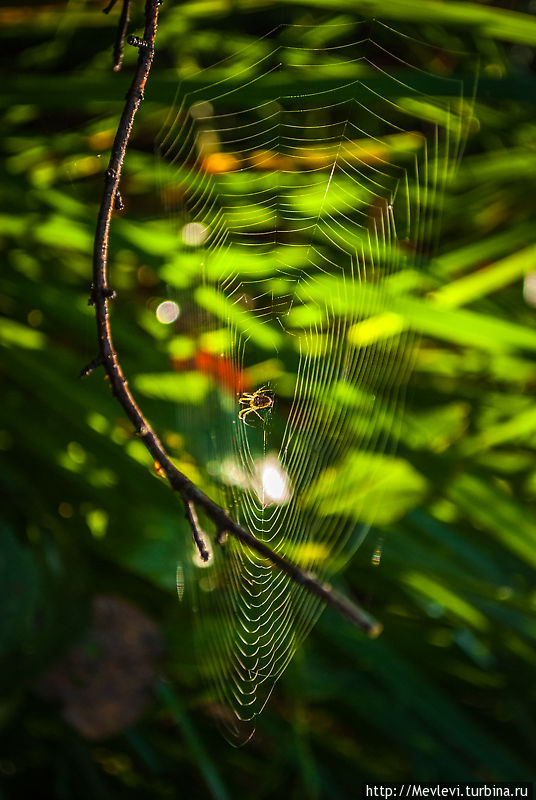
(447, 692)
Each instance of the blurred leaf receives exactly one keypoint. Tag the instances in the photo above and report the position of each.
(375, 488)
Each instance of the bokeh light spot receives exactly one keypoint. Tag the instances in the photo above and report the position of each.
(167, 312)
(194, 234)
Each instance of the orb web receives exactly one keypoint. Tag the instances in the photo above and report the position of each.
(305, 184)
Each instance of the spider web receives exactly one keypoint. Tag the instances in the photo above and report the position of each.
(306, 188)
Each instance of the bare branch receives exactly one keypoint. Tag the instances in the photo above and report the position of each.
(121, 31)
(197, 531)
(88, 369)
(101, 294)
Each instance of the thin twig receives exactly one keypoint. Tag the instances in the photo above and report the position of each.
(197, 532)
(88, 369)
(101, 294)
(121, 31)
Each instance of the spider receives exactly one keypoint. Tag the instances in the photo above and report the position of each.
(254, 401)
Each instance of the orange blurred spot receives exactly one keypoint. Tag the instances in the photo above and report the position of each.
(266, 159)
(182, 364)
(222, 370)
(220, 162)
(158, 469)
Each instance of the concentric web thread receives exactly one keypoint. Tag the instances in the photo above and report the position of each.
(306, 186)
